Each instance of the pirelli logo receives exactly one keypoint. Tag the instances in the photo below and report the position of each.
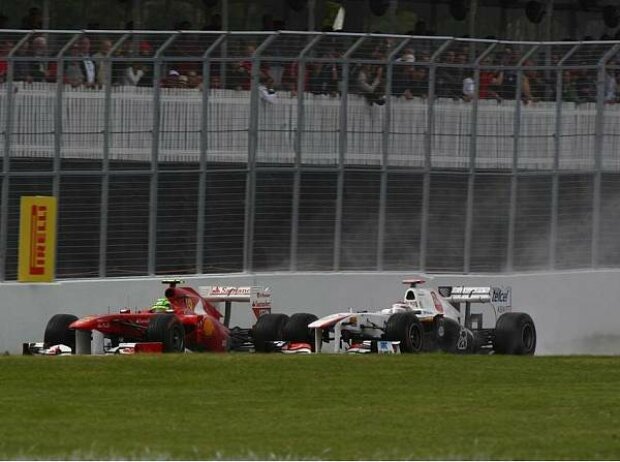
(37, 239)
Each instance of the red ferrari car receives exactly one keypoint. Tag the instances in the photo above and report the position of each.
(193, 323)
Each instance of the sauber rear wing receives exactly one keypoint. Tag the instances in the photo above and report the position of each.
(499, 297)
(258, 297)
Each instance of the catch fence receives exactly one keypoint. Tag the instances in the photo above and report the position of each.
(206, 152)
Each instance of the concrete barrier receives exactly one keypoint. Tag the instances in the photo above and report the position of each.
(575, 312)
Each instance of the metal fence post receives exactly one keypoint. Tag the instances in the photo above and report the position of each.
(6, 164)
(58, 131)
(555, 178)
(299, 129)
(471, 177)
(598, 153)
(105, 162)
(385, 148)
(428, 161)
(250, 191)
(342, 148)
(512, 212)
(154, 171)
(204, 147)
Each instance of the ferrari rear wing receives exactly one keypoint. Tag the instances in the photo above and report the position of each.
(258, 297)
(496, 296)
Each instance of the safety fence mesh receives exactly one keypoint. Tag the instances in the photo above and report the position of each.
(208, 152)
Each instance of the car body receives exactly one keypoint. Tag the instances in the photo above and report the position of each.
(193, 323)
(431, 319)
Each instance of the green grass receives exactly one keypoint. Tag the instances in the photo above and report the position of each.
(239, 406)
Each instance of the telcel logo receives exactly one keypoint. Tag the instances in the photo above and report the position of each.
(38, 241)
(500, 297)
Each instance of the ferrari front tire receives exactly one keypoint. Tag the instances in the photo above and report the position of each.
(167, 329)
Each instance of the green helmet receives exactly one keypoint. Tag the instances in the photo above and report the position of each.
(162, 304)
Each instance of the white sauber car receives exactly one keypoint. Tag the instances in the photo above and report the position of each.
(431, 319)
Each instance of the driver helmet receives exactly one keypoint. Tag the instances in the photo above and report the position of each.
(162, 304)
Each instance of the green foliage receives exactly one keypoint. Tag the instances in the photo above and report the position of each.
(240, 406)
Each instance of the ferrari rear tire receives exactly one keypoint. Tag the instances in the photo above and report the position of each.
(57, 331)
(167, 329)
(296, 329)
(407, 329)
(515, 334)
(268, 328)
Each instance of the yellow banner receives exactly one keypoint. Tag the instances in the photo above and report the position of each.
(37, 239)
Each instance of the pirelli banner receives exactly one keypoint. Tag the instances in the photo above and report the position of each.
(37, 239)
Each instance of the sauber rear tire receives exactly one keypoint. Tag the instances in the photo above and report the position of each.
(167, 329)
(57, 331)
(268, 328)
(296, 329)
(407, 329)
(515, 334)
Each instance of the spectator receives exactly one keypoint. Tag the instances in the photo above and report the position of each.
(74, 75)
(370, 83)
(145, 50)
(325, 77)
(89, 68)
(4, 21)
(490, 83)
(419, 87)
(509, 76)
(5, 49)
(403, 74)
(133, 75)
(104, 49)
(448, 84)
(40, 70)
(242, 72)
(174, 80)
(569, 87)
(469, 87)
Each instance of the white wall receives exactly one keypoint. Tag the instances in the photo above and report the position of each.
(575, 312)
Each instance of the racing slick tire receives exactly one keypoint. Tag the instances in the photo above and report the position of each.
(167, 329)
(407, 329)
(57, 331)
(451, 338)
(268, 328)
(296, 329)
(515, 334)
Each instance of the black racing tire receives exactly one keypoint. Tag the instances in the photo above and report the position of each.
(57, 331)
(447, 334)
(167, 329)
(296, 328)
(515, 334)
(268, 328)
(407, 329)
(452, 338)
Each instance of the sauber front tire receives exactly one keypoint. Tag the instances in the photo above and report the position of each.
(407, 329)
(296, 329)
(268, 328)
(57, 331)
(515, 334)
